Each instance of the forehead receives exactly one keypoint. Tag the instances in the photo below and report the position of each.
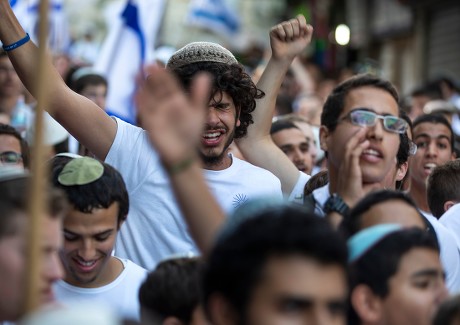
(9, 143)
(375, 99)
(392, 211)
(417, 259)
(431, 129)
(289, 136)
(99, 219)
(301, 276)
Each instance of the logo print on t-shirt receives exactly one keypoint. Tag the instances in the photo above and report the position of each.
(239, 199)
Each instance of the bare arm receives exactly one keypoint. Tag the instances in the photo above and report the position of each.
(287, 39)
(174, 123)
(81, 117)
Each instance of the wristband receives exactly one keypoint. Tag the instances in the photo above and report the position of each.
(180, 166)
(17, 44)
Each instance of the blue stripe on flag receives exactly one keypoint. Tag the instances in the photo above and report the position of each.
(13, 3)
(131, 18)
(219, 18)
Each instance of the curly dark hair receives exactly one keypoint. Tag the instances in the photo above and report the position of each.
(231, 79)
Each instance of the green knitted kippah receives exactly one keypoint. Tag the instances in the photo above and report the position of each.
(81, 171)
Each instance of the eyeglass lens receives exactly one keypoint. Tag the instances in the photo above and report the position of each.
(391, 123)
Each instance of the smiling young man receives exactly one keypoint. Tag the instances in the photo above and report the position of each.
(99, 206)
(156, 229)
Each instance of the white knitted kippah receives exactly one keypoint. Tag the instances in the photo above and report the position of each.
(200, 52)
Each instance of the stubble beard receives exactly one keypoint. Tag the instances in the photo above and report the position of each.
(211, 159)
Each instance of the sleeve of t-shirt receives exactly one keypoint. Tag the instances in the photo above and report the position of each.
(132, 155)
(296, 195)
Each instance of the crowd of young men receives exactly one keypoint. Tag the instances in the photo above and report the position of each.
(174, 189)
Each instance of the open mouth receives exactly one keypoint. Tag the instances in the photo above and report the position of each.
(429, 167)
(371, 155)
(212, 137)
(85, 266)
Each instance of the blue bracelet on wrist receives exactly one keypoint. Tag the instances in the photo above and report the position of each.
(17, 44)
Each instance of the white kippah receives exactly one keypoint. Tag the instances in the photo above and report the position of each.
(200, 52)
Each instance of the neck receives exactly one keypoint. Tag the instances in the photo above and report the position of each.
(418, 194)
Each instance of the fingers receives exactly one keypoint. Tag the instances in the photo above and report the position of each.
(201, 90)
(292, 29)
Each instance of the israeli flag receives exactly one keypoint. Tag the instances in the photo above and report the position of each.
(130, 41)
(214, 15)
(27, 12)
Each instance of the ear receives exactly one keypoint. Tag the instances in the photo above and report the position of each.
(238, 115)
(366, 304)
(401, 171)
(220, 311)
(324, 134)
(454, 155)
(448, 205)
(171, 320)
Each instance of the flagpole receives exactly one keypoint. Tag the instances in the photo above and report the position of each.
(37, 188)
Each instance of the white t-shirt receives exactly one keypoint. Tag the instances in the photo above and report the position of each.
(450, 254)
(296, 195)
(155, 228)
(121, 295)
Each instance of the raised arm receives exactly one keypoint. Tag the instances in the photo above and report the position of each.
(81, 117)
(174, 123)
(287, 40)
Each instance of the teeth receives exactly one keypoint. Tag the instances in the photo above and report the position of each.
(212, 135)
(430, 165)
(86, 263)
(371, 152)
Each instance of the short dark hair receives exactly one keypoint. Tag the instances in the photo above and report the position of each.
(435, 119)
(381, 262)
(6, 129)
(280, 125)
(91, 79)
(335, 102)
(229, 78)
(102, 193)
(15, 198)
(352, 223)
(443, 185)
(236, 262)
(172, 289)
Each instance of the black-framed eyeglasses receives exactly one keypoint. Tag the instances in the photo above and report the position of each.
(364, 117)
(10, 157)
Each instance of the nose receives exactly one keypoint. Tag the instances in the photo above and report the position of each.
(87, 251)
(321, 316)
(212, 118)
(376, 131)
(298, 156)
(313, 151)
(53, 269)
(431, 149)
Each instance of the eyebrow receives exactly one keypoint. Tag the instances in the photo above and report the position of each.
(105, 232)
(367, 109)
(306, 302)
(428, 272)
(425, 135)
